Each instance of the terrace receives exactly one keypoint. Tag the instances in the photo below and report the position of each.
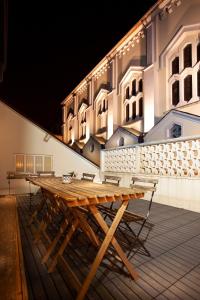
(173, 271)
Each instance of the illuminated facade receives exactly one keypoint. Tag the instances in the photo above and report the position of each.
(154, 69)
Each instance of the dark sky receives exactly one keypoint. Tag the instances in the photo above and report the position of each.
(52, 46)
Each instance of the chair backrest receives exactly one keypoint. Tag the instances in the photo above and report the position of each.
(148, 185)
(88, 177)
(72, 174)
(46, 173)
(111, 180)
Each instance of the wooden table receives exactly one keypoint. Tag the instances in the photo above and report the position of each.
(88, 194)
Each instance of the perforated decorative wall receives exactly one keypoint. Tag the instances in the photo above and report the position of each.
(181, 158)
(120, 160)
(176, 159)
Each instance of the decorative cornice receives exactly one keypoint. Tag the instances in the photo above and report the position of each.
(130, 43)
(103, 68)
(167, 7)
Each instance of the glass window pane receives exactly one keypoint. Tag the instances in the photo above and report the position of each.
(19, 163)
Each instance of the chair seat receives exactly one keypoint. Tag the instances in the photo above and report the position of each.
(144, 188)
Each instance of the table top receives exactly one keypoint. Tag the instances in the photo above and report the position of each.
(80, 192)
(13, 175)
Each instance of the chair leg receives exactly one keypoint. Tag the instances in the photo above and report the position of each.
(137, 239)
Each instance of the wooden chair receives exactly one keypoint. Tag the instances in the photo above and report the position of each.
(72, 174)
(114, 180)
(88, 177)
(149, 185)
(46, 173)
(134, 222)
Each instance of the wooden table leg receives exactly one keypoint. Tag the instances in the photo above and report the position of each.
(107, 240)
(73, 228)
(55, 241)
(86, 228)
(114, 242)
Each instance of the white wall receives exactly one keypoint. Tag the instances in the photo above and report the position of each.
(19, 135)
(190, 126)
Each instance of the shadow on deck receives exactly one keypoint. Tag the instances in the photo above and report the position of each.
(173, 271)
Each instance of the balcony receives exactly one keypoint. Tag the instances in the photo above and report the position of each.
(171, 272)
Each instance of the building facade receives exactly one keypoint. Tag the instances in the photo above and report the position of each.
(154, 69)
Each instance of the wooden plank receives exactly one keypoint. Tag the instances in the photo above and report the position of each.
(56, 289)
(12, 274)
(29, 260)
(21, 262)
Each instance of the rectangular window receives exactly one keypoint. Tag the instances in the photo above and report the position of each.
(127, 112)
(134, 110)
(198, 83)
(47, 163)
(134, 88)
(27, 163)
(187, 54)
(175, 66)
(38, 163)
(127, 93)
(175, 93)
(188, 88)
(141, 107)
(19, 163)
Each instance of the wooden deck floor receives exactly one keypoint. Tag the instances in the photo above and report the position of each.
(173, 271)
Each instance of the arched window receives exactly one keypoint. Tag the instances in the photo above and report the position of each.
(121, 141)
(188, 88)
(175, 131)
(198, 83)
(92, 148)
(104, 105)
(140, 87)
(134, 110)
(134, 88)
(140, 107)
(198, 52)
(175, 93)
(175, 65)
(187, 54)
(127, 93)
(127, 112)
(99, 109)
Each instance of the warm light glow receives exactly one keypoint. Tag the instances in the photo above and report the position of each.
(72, 136)
(149, 115)
(87, 130)
(110, 125)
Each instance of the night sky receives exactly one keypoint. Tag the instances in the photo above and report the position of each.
(52, 46)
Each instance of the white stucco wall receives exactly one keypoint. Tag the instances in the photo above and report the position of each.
(190, 126)
(19, 135)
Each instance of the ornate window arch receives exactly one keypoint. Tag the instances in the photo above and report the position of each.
(133, 83)
(182, 61)
(82, 121)
(121, 141)
(70, 128)
(101, 109)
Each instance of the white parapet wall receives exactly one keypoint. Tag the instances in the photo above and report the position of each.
(176, 163)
